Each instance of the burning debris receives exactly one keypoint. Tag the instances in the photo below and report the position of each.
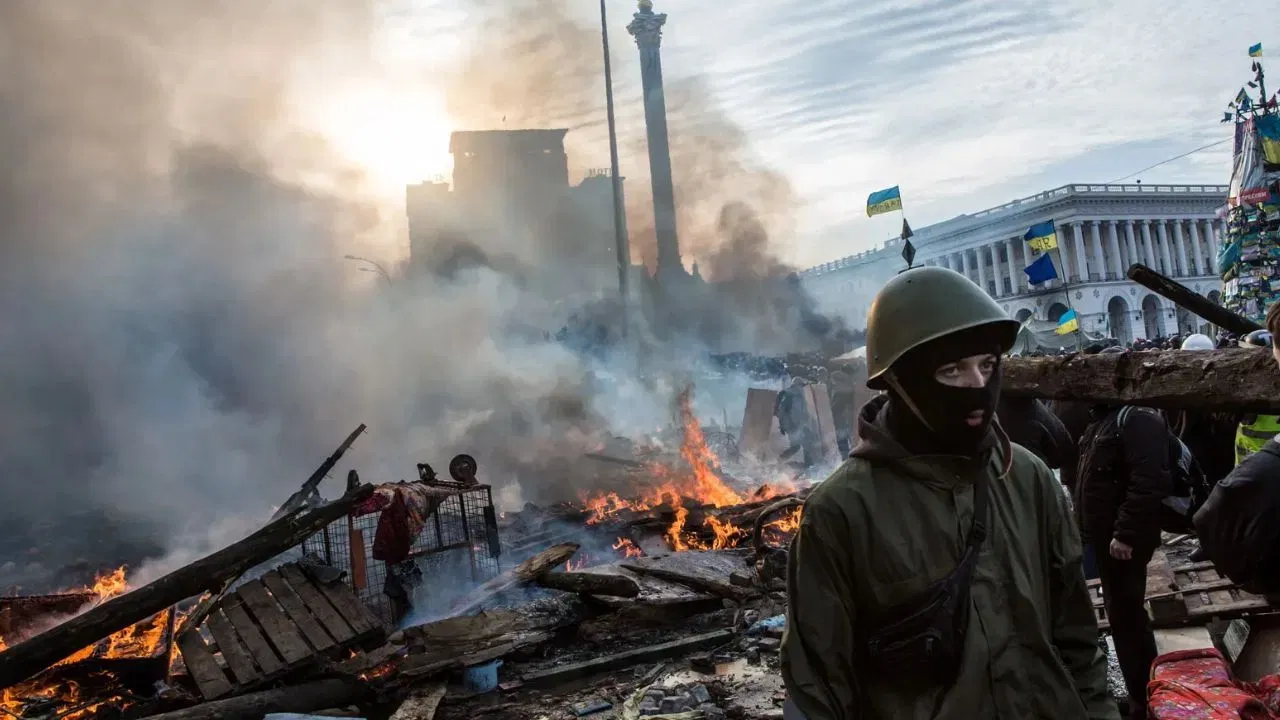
(675, 557)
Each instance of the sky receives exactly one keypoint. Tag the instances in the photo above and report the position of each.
(965, 104)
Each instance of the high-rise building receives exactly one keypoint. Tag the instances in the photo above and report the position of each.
(511, 196)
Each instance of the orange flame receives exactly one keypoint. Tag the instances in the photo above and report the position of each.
(143, 640)
(627, 548)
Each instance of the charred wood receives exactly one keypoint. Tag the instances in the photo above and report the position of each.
(305, 698)
(630, 658)
(1188, 299)
(421, 704)
(691, 581)
(590, 584)
(522, 574)
(35, 654)
(1229, 380)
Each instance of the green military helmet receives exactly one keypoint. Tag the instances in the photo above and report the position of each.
(924, 304)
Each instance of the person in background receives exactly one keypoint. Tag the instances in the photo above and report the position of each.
(1209, 436)
(1031, 424)
(793, 422)
(936, 574)
(1125, 474)
(843, 409)
(1239, 525)
(1255, 430)
(1076, 417)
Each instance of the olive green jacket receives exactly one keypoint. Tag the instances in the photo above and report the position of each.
(873, 536)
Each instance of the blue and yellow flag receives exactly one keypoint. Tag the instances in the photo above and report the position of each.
(883, 201)
(1041, 270)
(1042, 236)
(1255, 50)
(1068, 323)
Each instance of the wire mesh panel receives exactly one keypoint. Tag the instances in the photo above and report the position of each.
(456, 549)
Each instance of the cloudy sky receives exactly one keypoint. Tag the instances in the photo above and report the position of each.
(964, 103)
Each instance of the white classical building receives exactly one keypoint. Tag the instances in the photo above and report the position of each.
(1102, 230)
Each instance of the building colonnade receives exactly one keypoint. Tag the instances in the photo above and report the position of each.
(1092, 251)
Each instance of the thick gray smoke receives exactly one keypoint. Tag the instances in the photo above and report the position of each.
(733, 211)
(183, 342)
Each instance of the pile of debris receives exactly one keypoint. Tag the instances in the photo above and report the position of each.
(646, 601)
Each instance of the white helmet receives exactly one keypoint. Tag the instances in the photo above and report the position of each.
(1198, 341)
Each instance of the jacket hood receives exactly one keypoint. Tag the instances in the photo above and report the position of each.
(876, 443)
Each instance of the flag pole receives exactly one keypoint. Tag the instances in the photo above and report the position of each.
(1066, 286)
(908, 250)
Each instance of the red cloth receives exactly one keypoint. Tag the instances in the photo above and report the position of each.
(402, 520)
(1197, 685)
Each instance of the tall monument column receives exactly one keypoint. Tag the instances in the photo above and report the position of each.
(646, 28)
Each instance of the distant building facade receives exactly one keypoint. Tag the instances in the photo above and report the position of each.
(1101, 229)
(511, 194)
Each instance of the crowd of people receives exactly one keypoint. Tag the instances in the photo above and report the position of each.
(941, 572)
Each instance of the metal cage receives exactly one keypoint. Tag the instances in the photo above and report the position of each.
(457, 548)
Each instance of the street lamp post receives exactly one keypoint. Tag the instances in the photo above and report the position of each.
(370, 266)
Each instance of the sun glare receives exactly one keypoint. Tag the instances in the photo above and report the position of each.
(398, 136)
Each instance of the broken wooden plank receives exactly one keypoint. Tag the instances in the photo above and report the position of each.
(1160, 579)
(239, 661)
(587, 583)
(251, 636)
(208, 573)
(1227, 380)
(757, 423)
(694, 582)
(280, 631)
(352, 610)
(359, 569)
(421, 704)
(318, 695)
(297, 611)
(524, 573)
(650, 653)
(318, 604)
(203, 667)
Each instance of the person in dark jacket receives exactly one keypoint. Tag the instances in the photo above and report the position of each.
(1076, 417)
(1239, 525)
(1125, 474)
(1031, 424)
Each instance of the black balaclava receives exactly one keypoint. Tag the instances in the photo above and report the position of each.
(942, 429)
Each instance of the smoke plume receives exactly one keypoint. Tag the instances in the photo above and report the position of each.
(183, 341)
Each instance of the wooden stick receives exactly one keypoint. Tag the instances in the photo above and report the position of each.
(590, 583)
(421, 704)
(305, 698)
(1229, 380)
(33, 655)
(694, 582)
(522, 574)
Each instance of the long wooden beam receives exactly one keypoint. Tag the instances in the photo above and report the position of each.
(33, 655)
(1228, 380)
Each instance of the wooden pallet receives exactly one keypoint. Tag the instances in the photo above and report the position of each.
(272, 626)
(1188, 594)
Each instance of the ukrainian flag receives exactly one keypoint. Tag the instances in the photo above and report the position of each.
(883, 201)
(1256, 50)
(1068, 323)
(1042, 236)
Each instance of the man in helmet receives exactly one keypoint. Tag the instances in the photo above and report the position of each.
(1255, 430)
(936, 574)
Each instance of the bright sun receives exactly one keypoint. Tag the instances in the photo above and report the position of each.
(398, 136)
